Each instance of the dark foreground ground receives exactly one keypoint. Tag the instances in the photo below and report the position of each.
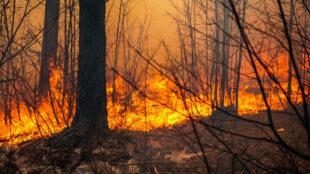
(176, 150)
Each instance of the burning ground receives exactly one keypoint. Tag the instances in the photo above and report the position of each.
(156, 130)
(164, 150)
(157, 103)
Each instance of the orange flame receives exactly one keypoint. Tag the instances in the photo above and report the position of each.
(164, 107)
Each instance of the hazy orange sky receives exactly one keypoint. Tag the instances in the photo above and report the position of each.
(161, 26)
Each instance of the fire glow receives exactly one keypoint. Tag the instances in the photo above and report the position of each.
(164, 107)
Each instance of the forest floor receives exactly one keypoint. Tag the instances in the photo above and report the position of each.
(174, 150)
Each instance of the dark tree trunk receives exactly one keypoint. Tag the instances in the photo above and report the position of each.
(225, 55)
(49, 45)
(216, 55)
(289, 81)
(240, 58)
(91, 102)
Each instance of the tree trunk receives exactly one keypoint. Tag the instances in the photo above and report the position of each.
(225, 55)
(192, 25)
(91, 102)
(240, 58)
(116, 51)
(49, 45)
(91, 113)
(207, 44)
(216, 55)
(289, 81)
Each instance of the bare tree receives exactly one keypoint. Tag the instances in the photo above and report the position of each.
(216, 54)
(91, 103)
(238, 68)
(49, 44)
(289, 81)
(225, 57)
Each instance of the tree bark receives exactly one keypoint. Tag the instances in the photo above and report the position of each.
(225, 56)
(216, 55)
(289, 81)
(90, 118)
(240, 58)
(49, 45)
(91, 102)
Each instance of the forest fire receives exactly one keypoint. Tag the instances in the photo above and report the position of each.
(125, 86)
(162, 107)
